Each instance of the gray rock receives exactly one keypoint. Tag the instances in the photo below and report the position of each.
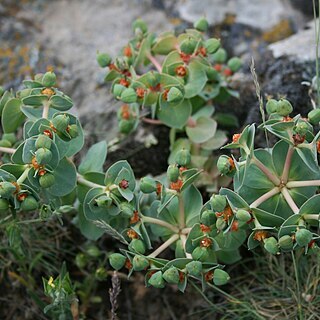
(259, 14)
(300, 46)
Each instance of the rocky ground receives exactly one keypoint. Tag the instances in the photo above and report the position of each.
(64, 35)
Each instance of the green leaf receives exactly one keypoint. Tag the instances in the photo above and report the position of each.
(204, 129)
(267, 219)
(192, 202)
(175, 116)
(113, 172)
(35, 100)
(12, 117)
(3, 100)
(197, 79)
(94, 159)
(66, 177)
(61, 103)
(165, 44)
(216, 142)
(234, 199)
(252, 243)
(311, 206)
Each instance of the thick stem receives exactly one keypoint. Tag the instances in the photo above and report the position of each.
(160, 223)
(307, 183)
(185, 231)
(287, 164)
(24, 176)
(164, 246)
(45, 111)
(183, 238)
(182, 223)
(151, 121)
(311, 217)
(88, 183)
(274, 179)
(265, 197)
(7, 150)
(289, 200)
(155, 62)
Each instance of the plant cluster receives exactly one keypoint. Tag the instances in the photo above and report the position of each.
(274, 201)
(191, 72)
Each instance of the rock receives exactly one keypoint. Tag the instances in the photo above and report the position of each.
(259, 14)
(300, 46)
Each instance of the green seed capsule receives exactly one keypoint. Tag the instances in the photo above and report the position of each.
(221, 224)
(6, 189)
(235, 64)
(272, 106)
(303, 237)
(4, 205)
(43, 141)
(103, 59)
(117, 90)
(220, 277)
(139, 263)
(183, 157)
(284, 107)
(200, 253)
(43, 155)
(271, 245)
(11, 137)
(61, 122)
(47, 180)
(104, 201)
(152, 78)
(117, 261)
(171, 275)
(157, 280)
(303, 127)
(175, 95)
(73, 131)
(148, 185)
(5, 143)
(188, 46)
(136, 245)
(93, 251)
(81, 260)
(126, 126)
(243, 215)
(139, 26)
(220, 56)
(212, 74)
(101, 274)
(286, 243)
(194, 268)
(226, 166)
(201, 25)
(29, 204)
(314, 116)
(127, 209)
(128, 95)
(173, 173)
(49, 79)
(208, 217)
(212, 45)
(218, 202)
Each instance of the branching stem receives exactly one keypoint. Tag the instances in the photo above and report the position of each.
(45, 111)
(311, 217)
(164, 246)
(155, 62)
(265, 197)
(151, 121)
(160, 223)
(287, 164)
(307, 183)
(23, 176)
(274, 179)
(82, 180)
(7, 150)
(183, 238)
(289, 200)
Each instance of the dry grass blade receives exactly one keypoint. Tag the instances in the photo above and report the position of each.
(114, 293)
